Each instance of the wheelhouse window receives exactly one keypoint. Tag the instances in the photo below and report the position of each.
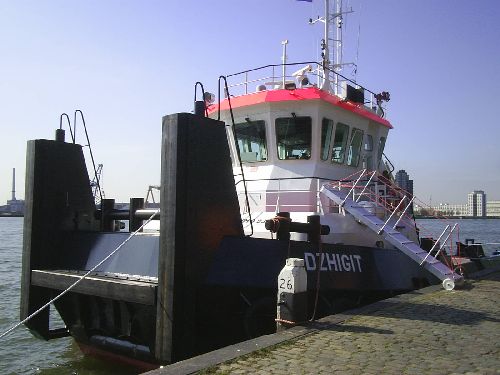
(353, 152)
(293, 137)
(326, 137)
(251, 136)
(339, 143)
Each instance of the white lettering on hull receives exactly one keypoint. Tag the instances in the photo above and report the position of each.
(333, 262)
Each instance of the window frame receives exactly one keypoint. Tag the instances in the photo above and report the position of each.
(326, 141)
(357, 156)
(381, 147)
(347, 129)
(262, 125)
(291, 120)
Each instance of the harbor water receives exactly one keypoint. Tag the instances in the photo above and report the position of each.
(21, 353)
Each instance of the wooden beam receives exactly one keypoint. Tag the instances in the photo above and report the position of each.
(117, 289)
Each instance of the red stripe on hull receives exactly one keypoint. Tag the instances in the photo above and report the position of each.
(309, 93)
(117, 358)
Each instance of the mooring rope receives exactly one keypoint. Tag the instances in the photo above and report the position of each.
(81, 278)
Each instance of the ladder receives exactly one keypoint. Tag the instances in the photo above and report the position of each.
(388, 230)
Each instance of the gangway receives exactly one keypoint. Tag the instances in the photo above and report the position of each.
(388, 231)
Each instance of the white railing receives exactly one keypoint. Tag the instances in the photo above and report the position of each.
(270, 77)
(274, 197)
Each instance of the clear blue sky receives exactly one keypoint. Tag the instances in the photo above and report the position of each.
(128, 63)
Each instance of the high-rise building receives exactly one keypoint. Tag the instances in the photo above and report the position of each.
(403, 181)
(476, 202)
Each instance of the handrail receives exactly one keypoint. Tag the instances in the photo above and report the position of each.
(235, 139)
(334, 82)
(435, 244)
(391, 215)
(300, 63)
(387, 160)
(364, 188)
(445, 240)
(90, 150)
(353, 187)
(205, 109)
(69, 125)
(404, 212)
(288, 178)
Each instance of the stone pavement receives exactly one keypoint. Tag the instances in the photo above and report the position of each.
(432, 331)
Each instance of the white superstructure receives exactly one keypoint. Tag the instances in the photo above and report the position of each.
(292, 136)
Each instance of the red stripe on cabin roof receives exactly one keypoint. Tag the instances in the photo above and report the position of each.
(309, 93)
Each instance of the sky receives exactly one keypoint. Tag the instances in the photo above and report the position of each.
(126, 64)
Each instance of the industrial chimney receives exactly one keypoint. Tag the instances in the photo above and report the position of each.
(13, 184)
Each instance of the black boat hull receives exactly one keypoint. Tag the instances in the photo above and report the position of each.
(196, 285)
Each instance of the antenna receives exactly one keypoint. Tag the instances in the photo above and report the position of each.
(357, 47)
(283, 58)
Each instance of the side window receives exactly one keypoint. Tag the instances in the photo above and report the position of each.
(381, 146)
(326, 137)
(339, 143)
(293, 137)
(368, 142)
(251, 136)
(354, 147)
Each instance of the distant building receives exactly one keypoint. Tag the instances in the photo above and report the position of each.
(447, 209)
(477, 206)
(477, 203)
(403, 181)
(493, 208)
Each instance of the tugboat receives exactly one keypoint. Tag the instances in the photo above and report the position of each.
(292, 169)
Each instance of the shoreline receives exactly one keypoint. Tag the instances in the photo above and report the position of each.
(458, 217)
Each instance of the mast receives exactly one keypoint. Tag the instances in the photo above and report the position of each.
(337, 41)
(332, 56)
(326, 49)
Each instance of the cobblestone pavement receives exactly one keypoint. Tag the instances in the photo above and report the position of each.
(440, 332)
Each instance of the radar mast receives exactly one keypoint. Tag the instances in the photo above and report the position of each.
(332, 58)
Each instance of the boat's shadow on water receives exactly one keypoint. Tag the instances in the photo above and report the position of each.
(87, 366)
(74, 362)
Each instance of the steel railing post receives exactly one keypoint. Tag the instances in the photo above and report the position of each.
(437, 241)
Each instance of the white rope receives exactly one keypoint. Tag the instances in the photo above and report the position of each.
(79, 280)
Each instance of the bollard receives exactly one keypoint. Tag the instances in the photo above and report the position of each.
(107, 223)
(135, 223)
(292, 294)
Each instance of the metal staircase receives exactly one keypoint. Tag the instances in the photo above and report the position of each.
(388, 231)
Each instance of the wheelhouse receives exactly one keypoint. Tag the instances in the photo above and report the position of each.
(292, 137)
